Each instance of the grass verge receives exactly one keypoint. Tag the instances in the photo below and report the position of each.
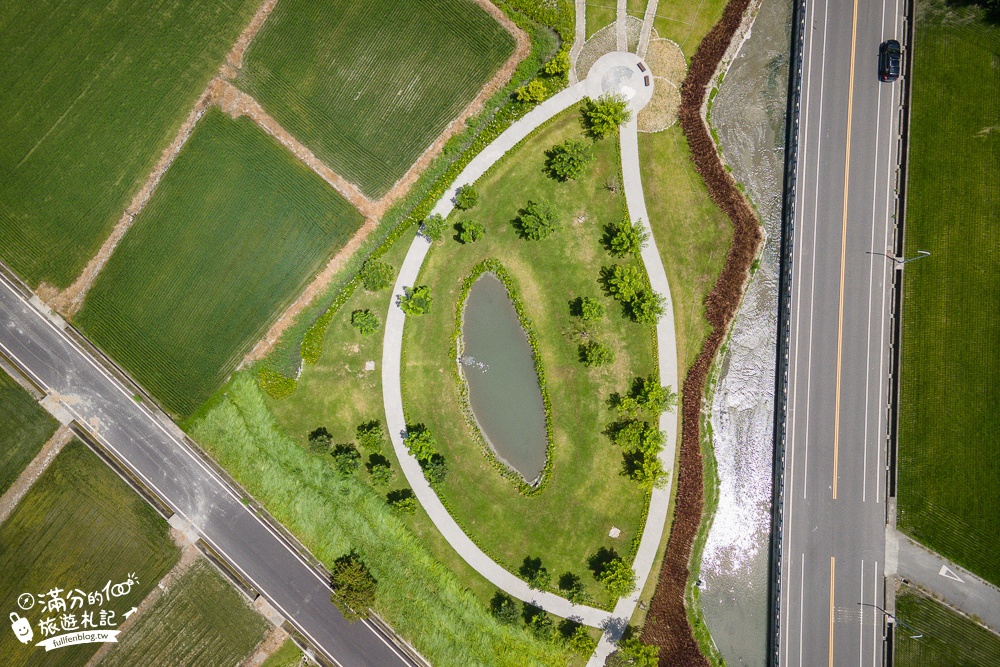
(289, 655)
(686, 22)
(199, 620)
(949, 467)
(236, 229)
(24, 427)
(949, 639)
(78, 527)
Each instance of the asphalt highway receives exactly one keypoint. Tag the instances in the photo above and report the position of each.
(165, 464)
(834, 511)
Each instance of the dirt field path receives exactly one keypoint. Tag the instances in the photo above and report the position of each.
(32, 471)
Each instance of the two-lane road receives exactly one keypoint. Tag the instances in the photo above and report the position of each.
(833, 513)
(192, 489)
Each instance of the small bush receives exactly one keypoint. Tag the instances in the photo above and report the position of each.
(534, 573)
(646, 307)
(320, 440)
(402, 500)
(634, 653)
(371, 435)
(618, 578)
(471, 231)
(571, 588)
(377, 275)
(538, 622)
(559, 64)
(504, 609)
(365, 321)
(274, 384)
(568, 160)
(576, 637)
(353, 586)
(536, 221)
(434, 227)
(593, 353)
(435, 469)
(604, 115)
(534, 91)
(466, 197)
(379, 470)
(643, 467)
(586, 308)
(416, 300)
(625, 238)
(420, 442)
(622, 281)
(346, 459)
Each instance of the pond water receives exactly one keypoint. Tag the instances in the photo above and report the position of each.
(499, 367)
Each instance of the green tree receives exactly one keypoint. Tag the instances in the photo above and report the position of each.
(593, 353)
(416, 300)
(365, 321)
(536, 221)
(435, 469)
(538, 622)
(371, 435)
(571, 588)
(535, 91)
(604, 115)
(434, 227)
(568, 160)
(587, 308)
(346, 459)
(650, 395)
(618, 577)
(622, 281)
(377, 275)
(402, 501)
(643, 467)
(579, 640)
(354, 587)
(633, 435)
(504, 609)
(320, 440)
(471, 231)
(636, 654)
(625, 238)
(466, 197)
(646, 307)
(379, 470)
(534, 573)
(420, 442)
(559, 64)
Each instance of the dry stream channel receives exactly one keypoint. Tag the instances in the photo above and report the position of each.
(748, 113)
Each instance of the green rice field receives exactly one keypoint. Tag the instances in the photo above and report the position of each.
(199, 620)
(91, 95)
(24, 427)
(948, 460)
(949, 639)
(236, 229)
(367, 86)
(79, 527)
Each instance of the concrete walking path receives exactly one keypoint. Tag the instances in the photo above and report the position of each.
(621, 35)
(647, 27)
(578, 39)
(955, 586)
(614, 72)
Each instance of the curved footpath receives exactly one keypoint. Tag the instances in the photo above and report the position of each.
(614, 72)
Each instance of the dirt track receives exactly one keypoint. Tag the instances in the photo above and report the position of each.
(667, 624)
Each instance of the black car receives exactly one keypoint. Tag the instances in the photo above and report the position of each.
(890, 55)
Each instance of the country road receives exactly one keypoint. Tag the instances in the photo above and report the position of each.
(166, 465)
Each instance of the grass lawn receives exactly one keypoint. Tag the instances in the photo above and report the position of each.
(585, 496)
(289, 655)
(78, 527)
(24, 427)
(368, 86)
(636, 8)
(948, 461)
(600, 13)
(418, 595)
(949, 639)
(686, 22)
(92, 93)
(234, 232)
(692, 235)
(199, 620)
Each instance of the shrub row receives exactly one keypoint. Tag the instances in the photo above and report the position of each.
(496, 268)
(667, 624)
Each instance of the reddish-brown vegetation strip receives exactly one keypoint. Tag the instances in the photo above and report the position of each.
(667, 624)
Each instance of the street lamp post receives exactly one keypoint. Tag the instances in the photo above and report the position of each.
(894, 619)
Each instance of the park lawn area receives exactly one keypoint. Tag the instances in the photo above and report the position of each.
(636, 8)
(692, 235)
(686, 22)
(289, 655)
(418, 595)
(92, 93)
(367, 86)
(949, 639)
(948, 461)
(24, 427)
(600, 13)
(235, 231)
(200, 620)
(569, 520)
(78, 527)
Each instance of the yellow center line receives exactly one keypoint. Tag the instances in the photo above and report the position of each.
(843, 254)
(832, 562)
